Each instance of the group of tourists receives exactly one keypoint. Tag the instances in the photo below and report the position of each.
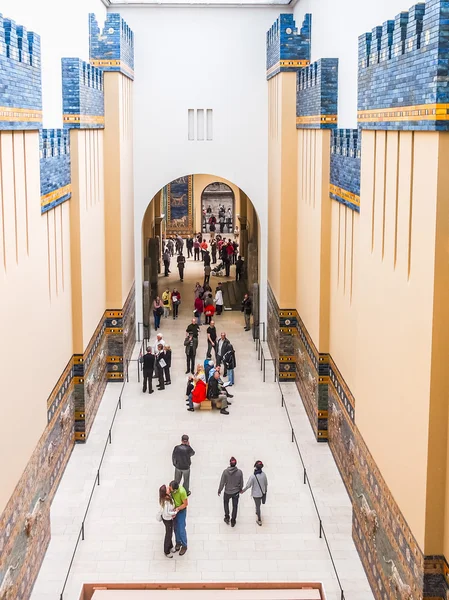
(156, 363)
(174, 498)
(223, 220)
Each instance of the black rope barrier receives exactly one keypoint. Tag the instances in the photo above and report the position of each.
(306, 481)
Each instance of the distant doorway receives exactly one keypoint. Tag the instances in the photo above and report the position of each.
(217, 205)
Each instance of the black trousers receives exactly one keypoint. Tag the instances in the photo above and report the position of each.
(190, 362)
(219, 309)
(168, 540)
(166, 266)
(238, 275)
(181, 273)
(227, 268)
(209, 349)
(167, 374)
(196, 252)
(214, 257)
(160, 376)
(235, 505)
(147, 381)
(189, 252)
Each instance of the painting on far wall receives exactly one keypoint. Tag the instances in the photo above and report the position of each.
(180, 206)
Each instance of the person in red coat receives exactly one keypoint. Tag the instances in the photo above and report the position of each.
(198, 394)
(209, 312)
(199, 309)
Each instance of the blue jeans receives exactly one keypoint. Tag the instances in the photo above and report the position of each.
(231, 376)
(198, 319)
(157, 320)
(189, 397)
(180, 528)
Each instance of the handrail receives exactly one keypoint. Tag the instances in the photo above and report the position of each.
(306, 481)
(81, 534)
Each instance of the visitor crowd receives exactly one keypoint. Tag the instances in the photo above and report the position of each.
(174, 498)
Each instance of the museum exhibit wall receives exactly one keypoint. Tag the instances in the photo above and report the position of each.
(55, 263)
(220, 66)
(362, 337)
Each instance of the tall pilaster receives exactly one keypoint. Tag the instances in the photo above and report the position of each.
(288, 49)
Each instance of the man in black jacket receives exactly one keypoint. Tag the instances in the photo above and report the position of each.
(181, 264)
(221, 348)
(247, 308)
(217, 393)
(148, 361)
(160, 363)
(190, 344)
(181, 461)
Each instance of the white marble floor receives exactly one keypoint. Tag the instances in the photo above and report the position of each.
(123, 539)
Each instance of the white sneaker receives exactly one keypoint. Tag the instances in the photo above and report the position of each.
(169, 555)
(259, 522)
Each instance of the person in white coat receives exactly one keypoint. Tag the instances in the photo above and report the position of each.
(258, 483)
(219, 300)
(166, 514)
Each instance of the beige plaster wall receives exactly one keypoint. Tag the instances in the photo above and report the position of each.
(313, 234)
(88, 234)
(342, 311)
(282, 208)
(394, 284)
(35, 301)
(119, 188)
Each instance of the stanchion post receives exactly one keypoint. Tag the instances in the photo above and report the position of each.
(305, 476)
(275, 367)
(293, 435)
(264, 371)
(82, 533)
(321, 528)
(127, 370)
(110, 437)
(98, 477)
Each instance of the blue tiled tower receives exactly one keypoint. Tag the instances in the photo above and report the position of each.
(21, 89)
(54, 146)
(112, 48)
(287, 48)
(82, 95)
(404, 69)
(317, 95)
(345, 167)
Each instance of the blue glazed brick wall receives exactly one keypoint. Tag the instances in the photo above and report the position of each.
(345, 167)
(285, 44)
(405, 63)
(54, 146)
(317, 95)
(112, 48)
(21, 82)
(82, 95)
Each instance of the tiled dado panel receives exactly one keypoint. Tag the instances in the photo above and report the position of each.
(25, 522)
(312, 380)
(393, 561)
(281, 333)
(129, 324)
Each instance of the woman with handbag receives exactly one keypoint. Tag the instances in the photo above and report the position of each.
(166, 514)
(158, 311)
(176, 301)
(258, 483)
(166, 301)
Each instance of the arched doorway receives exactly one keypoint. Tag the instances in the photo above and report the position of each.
(175, 211)
(218, 208)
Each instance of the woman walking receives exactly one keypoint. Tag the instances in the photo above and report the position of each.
(158, 311)
(176, 301)
(167, 351)
(258, 483)
(167, 513)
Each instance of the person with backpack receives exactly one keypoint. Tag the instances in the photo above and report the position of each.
(229, 362)
(258, 483)
(247, 308)
(158, 311)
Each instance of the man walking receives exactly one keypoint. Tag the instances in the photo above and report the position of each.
(247, 307)
(181, 264)
(232, 482)
(223, 346)
(166, 258)
(239, 266)
(211, 340)
(160, 363)
(181, 461)
(148, 361)
(180, 500)
(189, 244)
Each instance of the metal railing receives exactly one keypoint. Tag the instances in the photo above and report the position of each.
(82, 531)
(294, 440)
